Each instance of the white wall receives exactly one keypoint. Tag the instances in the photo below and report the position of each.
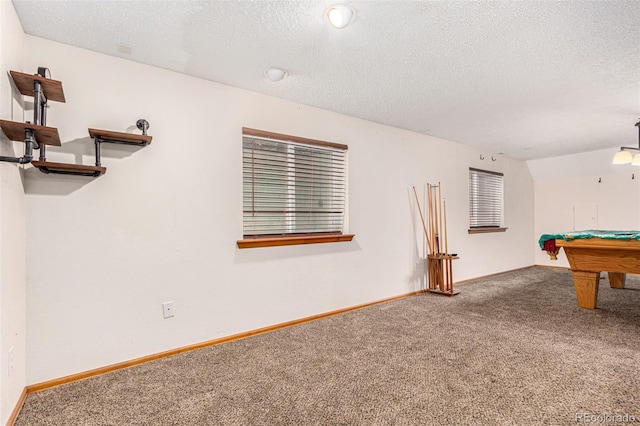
(12, 222)
(583, 191)
(162, 224)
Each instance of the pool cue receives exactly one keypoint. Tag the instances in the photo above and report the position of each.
(438, 225)
(440, 212)
(434, 209)
(431, 239)
(431, 246)
(440, 235)
(434, 217)
(446, 246)
(434, 193)
(435, 214)
(433, 278)
(424, 226)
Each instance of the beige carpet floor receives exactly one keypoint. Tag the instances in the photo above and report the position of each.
(513, 349)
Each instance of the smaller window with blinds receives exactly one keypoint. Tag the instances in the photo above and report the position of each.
(294, 190)
(486, 201)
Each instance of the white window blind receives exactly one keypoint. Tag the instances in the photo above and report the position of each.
(486, 199)
(292, 186)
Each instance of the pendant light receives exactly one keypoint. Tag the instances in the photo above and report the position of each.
(626, 153)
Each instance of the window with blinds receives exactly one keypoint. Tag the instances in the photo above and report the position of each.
(486, 199)
(292, 186)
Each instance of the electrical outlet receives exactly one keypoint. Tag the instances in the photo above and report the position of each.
(10, 361)
(167, 309)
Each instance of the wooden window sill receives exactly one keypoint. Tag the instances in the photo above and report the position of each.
(291, 241)
(486, 230)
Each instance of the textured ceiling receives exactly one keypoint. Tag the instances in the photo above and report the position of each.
(527, 79)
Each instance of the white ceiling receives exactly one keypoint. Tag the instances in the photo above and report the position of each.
(530, 79)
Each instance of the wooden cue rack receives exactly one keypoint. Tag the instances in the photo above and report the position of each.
(439, 260)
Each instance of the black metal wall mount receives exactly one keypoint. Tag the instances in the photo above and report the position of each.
(29, 144)
(143, 125)
(40, 100)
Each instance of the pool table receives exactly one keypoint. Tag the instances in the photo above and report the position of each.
(591, 252)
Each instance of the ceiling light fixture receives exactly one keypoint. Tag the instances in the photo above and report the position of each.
(275, 74)
(624, 156)
(340, 15)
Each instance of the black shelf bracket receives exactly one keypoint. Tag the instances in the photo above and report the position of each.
(29, 144)
(39, 118)
(142, 124)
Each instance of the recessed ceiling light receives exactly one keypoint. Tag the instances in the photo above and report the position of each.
(275, 74)
(340, 15)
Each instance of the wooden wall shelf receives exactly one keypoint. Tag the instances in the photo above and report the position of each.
(120, 137)
(69, 169)
(38, 135)
(52, 89)
(44, 135)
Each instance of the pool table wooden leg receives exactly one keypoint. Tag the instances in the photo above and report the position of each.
(617, 280)
(586, 284)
